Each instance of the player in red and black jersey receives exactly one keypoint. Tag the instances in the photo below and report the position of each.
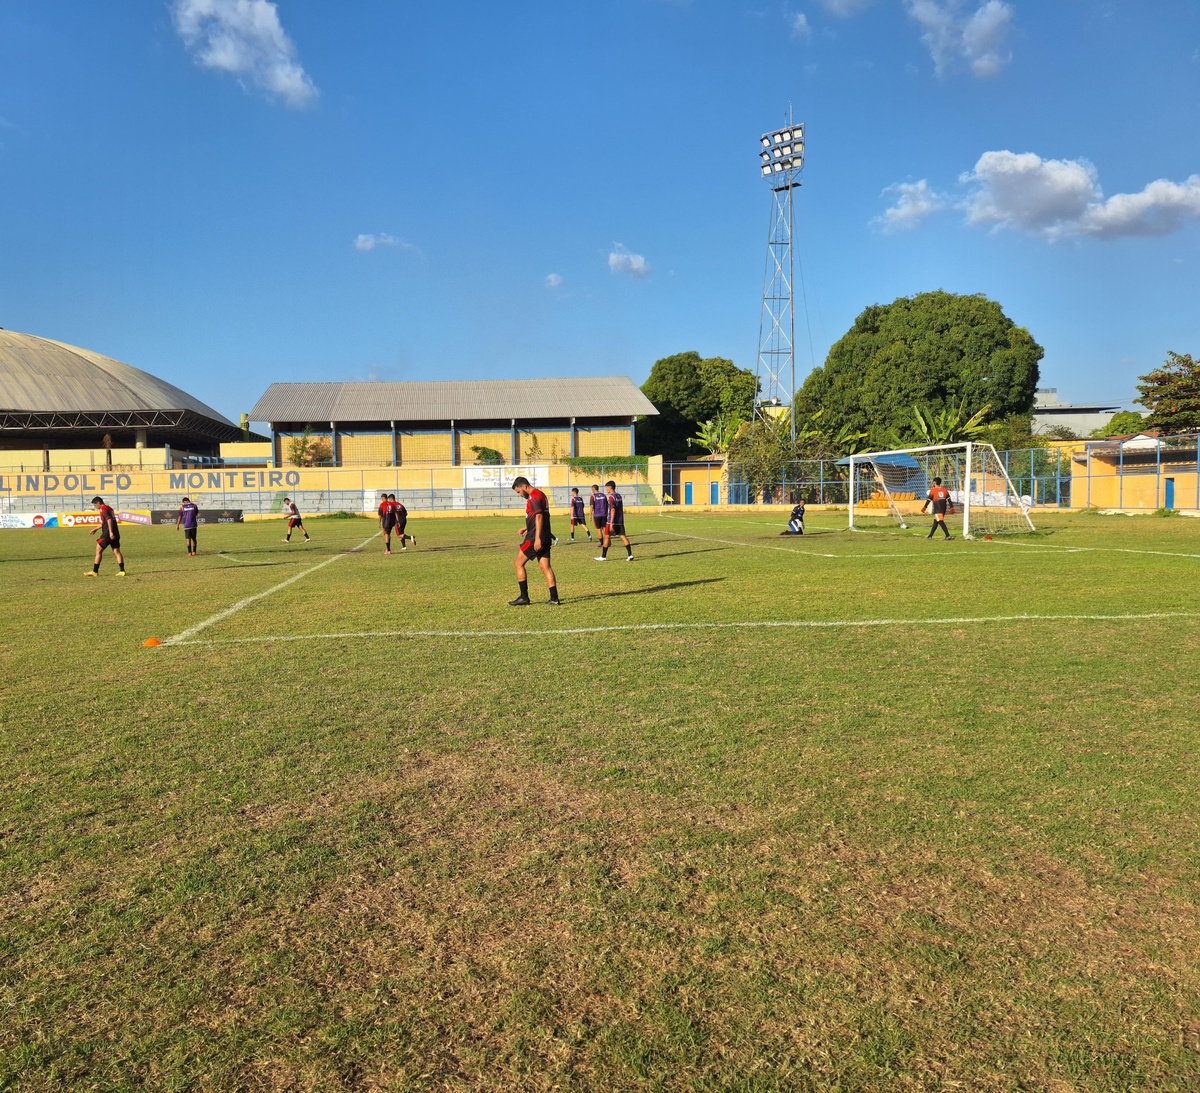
(939, 497)
(387, 521)
(294, 519)
(537, 541)
(110, 536)
(400, 515)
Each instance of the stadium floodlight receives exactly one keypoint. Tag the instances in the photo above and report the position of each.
(781, 158)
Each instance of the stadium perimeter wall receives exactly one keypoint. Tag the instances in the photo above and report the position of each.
(260, 491)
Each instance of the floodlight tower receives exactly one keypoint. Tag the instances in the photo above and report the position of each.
(781, 160)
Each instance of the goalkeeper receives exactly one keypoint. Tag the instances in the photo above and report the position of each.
(795, 524)
(939, 497)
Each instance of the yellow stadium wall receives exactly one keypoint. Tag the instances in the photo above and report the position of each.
(76, 459)
(247, 450)
(369, 449)
(700, 479)
(552, 443)
(500, 441)
(425, 447)
(283, 445)
(601, 442)
(1110, 490)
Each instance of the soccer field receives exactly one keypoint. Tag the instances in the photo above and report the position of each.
(851, 811)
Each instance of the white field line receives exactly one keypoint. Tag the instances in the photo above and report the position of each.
(184, 637)
(1036, 548)
(798, 624)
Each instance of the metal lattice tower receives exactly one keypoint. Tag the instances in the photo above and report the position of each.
(782, 159)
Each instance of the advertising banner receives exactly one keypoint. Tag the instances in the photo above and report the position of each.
(30, 520)
(501, 478)
(203, 516)
(92, 519)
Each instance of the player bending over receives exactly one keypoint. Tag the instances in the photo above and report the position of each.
(577, 515)
(795, 524)
(295, 520)
(189, 518)
(614, 523)
(110, 536)
(939, 498)
(537, 542)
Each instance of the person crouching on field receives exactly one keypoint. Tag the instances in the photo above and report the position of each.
(939, 498)
(537, 542)
(110, 536)
(795, 525)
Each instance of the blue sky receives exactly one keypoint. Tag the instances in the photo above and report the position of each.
(229, 193)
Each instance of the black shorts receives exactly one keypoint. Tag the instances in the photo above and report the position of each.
(189, 533)
(388, 523)
(531, 554)
(295, 522)
(104, 541)
(939, 510)
(616, 529)
(401, 524)
(599, 522)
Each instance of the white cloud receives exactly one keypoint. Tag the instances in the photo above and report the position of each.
(978, 39)
(800, 27)
(1056, 199)
(245, 39)
(622, 261)
(553, 280)
(915, 201)
(370, 242)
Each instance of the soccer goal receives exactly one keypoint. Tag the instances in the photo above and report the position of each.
(888, 489)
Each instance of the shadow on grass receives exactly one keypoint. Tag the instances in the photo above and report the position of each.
(648, 591)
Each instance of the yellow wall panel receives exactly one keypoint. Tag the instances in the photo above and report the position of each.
(501, 441)
(371, 448)
(425, 447)
(604, 442)
(553, 444)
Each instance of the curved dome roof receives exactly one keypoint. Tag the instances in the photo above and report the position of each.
(38, 375)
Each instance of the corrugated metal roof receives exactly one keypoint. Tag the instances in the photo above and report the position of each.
(457, 400)
(42, 376)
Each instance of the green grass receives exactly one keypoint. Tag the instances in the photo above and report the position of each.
(952, 856)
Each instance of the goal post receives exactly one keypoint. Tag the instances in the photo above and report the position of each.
(887, 489)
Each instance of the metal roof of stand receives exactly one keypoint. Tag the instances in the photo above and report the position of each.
(453, 400)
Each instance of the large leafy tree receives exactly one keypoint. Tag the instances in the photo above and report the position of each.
(937, 350)
(689, 390)
(1172, 395)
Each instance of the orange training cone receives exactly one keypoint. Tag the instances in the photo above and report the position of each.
(150, 643)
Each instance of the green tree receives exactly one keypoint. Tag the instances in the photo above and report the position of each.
(1172, 395)
(937, 350)
(1126, 423)
(688, 389)
(486, 456)
(950, 425)
(716, 434)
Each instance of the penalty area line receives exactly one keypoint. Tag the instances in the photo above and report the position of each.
(185, 636)
(796, 624)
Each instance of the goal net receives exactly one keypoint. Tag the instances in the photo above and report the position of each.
(887, 489)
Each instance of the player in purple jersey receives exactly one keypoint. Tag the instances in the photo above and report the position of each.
(189, 518)
(599, 505)
(577, 515)
(615, 524)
